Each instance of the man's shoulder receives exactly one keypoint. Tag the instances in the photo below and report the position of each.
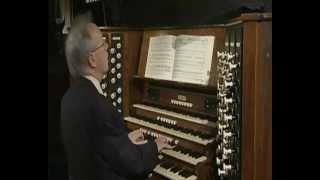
(79, 92)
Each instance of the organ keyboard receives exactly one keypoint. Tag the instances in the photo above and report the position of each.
(174, 114)
(196, 137)
(222, 130)
(185, 155)
(177, 152)
(172, 171)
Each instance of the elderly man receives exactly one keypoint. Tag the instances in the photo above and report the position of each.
(95, 138)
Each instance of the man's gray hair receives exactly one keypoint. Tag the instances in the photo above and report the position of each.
(78, 45)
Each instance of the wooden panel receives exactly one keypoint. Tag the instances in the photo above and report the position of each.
(198, 101)
(248, 101)
(218, 32)
(132, 48)
(251, 17)
(263, 94)
(257, 101)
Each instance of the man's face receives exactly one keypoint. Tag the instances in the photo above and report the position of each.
(100, 52)
(102, 57)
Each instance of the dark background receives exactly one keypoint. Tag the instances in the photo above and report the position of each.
(132, 13)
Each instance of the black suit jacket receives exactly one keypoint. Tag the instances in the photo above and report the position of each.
(96, 140)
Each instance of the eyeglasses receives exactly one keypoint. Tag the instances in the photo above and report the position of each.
(102, 45)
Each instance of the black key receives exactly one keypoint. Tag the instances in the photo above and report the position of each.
(175, 148)
(187, 151)
(166, 165)
(205, 136)
(175, 169)
(184, 151)
(172, 143)
(188, 173)
(185, 173)
(195, 155)
(148, 137)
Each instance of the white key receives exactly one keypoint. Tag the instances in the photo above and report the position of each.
(169, 174)
(184, 157)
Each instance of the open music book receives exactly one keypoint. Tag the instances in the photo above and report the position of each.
(182, 58)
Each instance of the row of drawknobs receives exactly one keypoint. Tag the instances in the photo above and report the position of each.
(229, 109)
(112, 81)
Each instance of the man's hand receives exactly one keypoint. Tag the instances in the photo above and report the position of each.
(162, 143)
(136, 137)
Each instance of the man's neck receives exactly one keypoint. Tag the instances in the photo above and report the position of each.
(96, 76)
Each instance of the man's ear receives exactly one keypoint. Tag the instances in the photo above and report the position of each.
(92, 60)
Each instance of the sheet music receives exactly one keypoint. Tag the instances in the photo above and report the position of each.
(193, 58)
(160, 57)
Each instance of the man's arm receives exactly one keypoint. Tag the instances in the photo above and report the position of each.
(127, 158)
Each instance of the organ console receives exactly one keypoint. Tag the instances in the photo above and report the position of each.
(221, 130)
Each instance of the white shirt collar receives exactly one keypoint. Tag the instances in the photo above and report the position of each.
(95, 82)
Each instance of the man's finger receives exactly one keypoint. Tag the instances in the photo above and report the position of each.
(168, 146)
(141, 142)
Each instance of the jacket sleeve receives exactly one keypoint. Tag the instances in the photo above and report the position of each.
(114, 145)
(127, 158)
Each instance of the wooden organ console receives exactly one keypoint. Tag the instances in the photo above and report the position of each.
(223, 129)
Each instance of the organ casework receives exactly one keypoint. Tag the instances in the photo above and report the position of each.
(206, 89)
